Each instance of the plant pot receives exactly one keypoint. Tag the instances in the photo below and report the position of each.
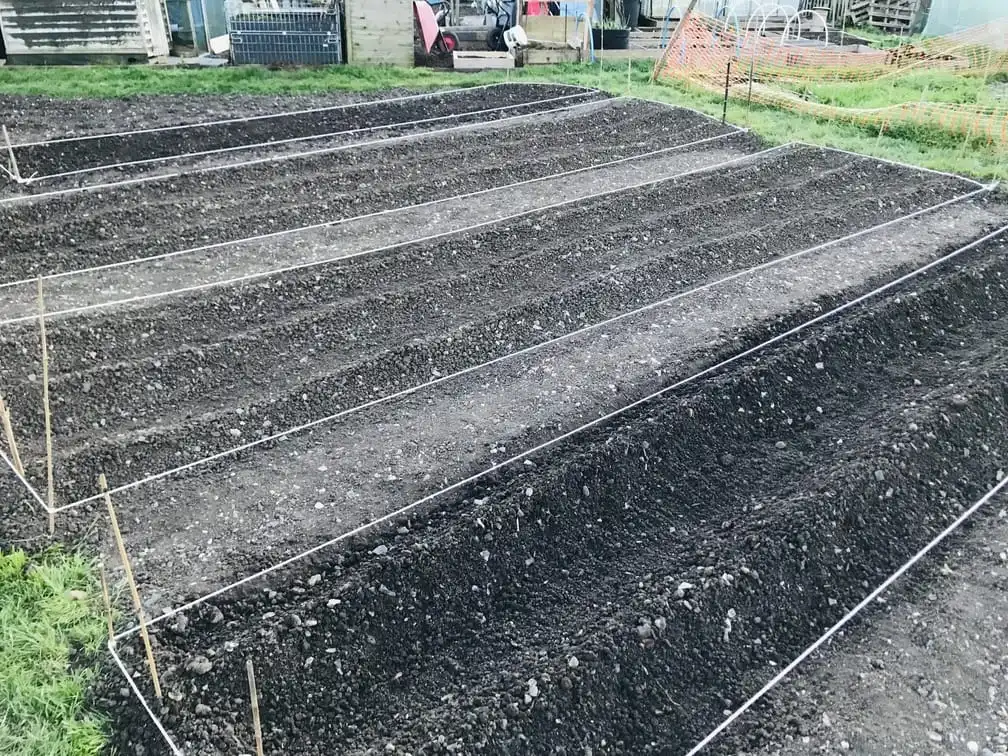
(611, 39)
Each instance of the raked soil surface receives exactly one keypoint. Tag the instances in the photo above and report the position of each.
(614, 590)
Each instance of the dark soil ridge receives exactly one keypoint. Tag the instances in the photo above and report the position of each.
(113, 335)
(198, 163)
(150, 449)
(222, 387)
(46, 159)
(85, 229)
(577, 556)
(783, 718)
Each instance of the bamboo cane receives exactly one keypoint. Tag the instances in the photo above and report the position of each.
(254, 695)
(103, 486)
(9, 433)
(10, 151)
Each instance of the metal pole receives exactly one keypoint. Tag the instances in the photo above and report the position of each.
(727, 81)
(752, 64)
(206, 25)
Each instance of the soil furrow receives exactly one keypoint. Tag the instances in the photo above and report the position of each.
(311, 383)
(205, 315)
(190, 322)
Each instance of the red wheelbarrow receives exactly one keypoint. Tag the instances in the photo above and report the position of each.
(434, 40)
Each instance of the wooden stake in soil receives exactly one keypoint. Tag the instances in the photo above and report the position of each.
(9, 433)
(108, 600)
(50, 488)
(103, 486)
(254, 695)
(10, 152)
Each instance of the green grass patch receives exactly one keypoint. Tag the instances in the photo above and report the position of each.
(881, 39)
(927, 147)
(51, 628)
(914, 86)
(132, 81)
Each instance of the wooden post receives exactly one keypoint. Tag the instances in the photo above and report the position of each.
(103, 486)
(673, 39)
(50, 487)
(881, 131)
(10, 152)
(254, 695)
(9, 433)
(752, 66)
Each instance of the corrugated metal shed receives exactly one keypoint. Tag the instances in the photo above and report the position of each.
(63, 31)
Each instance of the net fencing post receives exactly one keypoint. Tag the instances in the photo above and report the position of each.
(727, 82)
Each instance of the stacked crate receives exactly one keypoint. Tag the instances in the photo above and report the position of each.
(894, 16)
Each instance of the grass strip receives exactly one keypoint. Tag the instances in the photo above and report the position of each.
(51, 631)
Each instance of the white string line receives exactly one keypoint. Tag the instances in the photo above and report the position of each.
(387, 247)
(285, 113)
(176, 751)
(708, 116)
(292, 140)
(898, 164)
(35, 494)
(568, 434)
(368, 216)
(849, 616)
(810, 144)
(420, 135)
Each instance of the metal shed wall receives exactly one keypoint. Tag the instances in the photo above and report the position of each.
(380, 31)
(59, 31)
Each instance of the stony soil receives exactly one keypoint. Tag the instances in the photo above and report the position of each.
(141, 392)
(84, 229)
(474, 105)
(631, 585)
(613, 593)
(927, 673)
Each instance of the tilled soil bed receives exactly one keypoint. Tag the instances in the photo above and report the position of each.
(614, 592)
(54, 157)
(83, 229)
(139, 392)
(631, 585)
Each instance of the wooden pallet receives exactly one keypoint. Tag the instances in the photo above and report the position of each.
(888, 15)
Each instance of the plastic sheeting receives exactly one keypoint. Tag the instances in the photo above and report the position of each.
(950, 16)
